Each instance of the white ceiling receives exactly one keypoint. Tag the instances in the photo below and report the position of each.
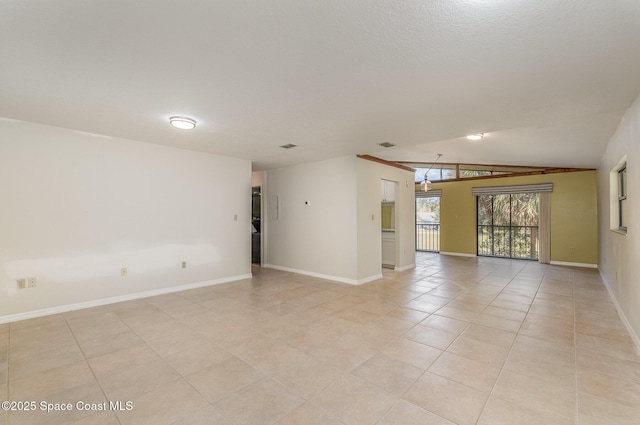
(547, 80)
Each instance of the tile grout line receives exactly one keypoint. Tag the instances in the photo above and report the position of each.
(548, 272)
(86, 360)
(512, 344)
(466, 328)
(91, 368)
(181, 377)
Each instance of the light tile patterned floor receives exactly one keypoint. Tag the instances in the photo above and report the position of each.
(454, 341)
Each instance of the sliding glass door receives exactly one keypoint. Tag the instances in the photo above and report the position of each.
(508, 225)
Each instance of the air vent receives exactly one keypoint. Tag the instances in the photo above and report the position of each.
(386, 144)
(288, 146)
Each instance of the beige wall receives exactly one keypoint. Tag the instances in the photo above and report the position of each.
(386, 216)
(619, 261)
(77, 208)
(257, 178)
(574, 220)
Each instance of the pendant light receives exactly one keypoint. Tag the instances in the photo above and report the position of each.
(427, 183)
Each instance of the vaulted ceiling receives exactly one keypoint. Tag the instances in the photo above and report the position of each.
(547, 81)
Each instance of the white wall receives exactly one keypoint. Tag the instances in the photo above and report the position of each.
(77, 208)
(369, 201)
(318, 238)
(619, 254)
(334, 235)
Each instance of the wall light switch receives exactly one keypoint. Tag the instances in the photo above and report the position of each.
(21, 283)
(235, 217)
(184, 264)
(123, 271)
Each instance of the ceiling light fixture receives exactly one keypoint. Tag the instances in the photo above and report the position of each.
(478, 136)
(183, 123)
(426, 184)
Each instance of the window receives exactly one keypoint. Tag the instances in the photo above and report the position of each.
(618, 205)
(622, 199)
(451, 171)
(508, 225)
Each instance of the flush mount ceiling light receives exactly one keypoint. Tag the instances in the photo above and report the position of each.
(288, 146)
(386, 144)
(183, 123)
(478, 136)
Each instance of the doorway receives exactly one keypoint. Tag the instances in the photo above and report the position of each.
(428, 224)
(256, 224)
(388, 223)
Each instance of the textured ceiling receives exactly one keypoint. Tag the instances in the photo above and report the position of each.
(548, 81)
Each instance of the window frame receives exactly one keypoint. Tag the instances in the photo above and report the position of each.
(622, 197)
(618, 193)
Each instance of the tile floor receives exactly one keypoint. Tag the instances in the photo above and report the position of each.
(453, 341)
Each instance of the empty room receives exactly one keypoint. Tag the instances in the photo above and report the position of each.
(389, 212)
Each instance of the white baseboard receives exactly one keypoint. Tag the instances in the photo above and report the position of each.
(632, 333)
(369, 279)
(403, 268)
(458, 254)
(325, 276)
(569, 264)
(104, 301)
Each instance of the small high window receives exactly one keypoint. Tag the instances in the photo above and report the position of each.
(623, 207)
(618, 205)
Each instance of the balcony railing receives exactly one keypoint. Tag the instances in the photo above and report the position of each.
(428, 237)
(508, 241)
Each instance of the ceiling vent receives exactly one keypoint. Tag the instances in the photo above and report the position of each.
(288, 146)
(386, 144)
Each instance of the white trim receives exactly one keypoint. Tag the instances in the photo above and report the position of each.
(369, 279)
(632, 333)
(458, 254)
(569, 264)
(120, 298)
(325, 276)
(403, 268)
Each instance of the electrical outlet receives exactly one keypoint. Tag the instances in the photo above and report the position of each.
(235, 217)
(123, 271)
(31, 282)
(183, 264)
(21, 283)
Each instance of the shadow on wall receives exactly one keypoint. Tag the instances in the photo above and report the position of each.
(103, 265)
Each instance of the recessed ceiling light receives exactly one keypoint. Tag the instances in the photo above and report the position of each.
(478, 136)
(386, 144)
(183, 123)
(288, 146)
